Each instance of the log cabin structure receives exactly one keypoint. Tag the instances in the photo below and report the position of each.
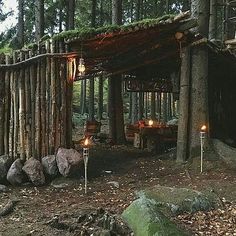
(36, 84)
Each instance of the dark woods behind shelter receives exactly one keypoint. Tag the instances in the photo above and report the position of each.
(36, 83)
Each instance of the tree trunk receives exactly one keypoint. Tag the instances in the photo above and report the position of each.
(91, 80)
(20, 25)
(84, 95)
(101, 15)
(153, 106)
(100, 98)
(164, 104)
(70, 15)
(182, 141)
(2, 111)
(167, 6)
(199, 76)
(39, 19)
(91, 99)
(186, 5)
(138, 6)
(229, 25)
(140, 105)
(134, 116)
(213, 20)
(117, 12)
(116, 117)
(93, 18)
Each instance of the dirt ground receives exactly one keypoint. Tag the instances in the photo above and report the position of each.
(129, 170)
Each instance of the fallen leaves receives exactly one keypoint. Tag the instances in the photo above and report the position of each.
(215, 222)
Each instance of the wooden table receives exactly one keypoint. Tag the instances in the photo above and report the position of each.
(157, 137)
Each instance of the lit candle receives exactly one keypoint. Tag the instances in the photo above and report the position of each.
(150, 122)
(202, 137)
(86, 157)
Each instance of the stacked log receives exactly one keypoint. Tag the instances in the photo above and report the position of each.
(35, 102)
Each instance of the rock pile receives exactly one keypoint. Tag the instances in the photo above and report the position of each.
(16, 172)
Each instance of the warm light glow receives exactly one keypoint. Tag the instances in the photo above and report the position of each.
(86, 142)
(203, 129)
(71, 68)
(150, 122)
(81, 67)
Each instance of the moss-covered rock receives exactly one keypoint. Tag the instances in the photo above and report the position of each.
(180, 200)
(145, 219)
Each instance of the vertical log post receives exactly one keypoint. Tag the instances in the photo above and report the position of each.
(33, 79)
(16, 108)
(7, 108)
(28, 140)
(12, 118)
(58, 98)
(69, 95)
(22, 109)
(37, 113)
(43, 105)
(182, 141)
(63, 95)
(48, 104)
(53, 101)
(2, 107)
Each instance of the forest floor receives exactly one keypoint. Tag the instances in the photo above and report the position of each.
(116, 174)
(129, 170)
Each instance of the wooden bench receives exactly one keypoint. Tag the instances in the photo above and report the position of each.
(92, 128)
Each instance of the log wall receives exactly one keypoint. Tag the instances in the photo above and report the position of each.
(35, 101)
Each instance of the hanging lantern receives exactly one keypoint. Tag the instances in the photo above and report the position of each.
(71, 68)
(81, 67)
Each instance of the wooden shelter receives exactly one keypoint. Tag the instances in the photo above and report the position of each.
(36, 84)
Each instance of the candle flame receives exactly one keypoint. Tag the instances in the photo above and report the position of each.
(86, 142)
(150, 122)
(203, 128)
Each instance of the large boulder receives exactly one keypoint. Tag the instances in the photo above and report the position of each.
(34, 171)
(145, 219)
(174, 201)
(69, 161)
(226, 152)
(5, 163)
(15, 175)
(49, 164)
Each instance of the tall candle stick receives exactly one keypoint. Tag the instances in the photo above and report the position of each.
(202, 137)
(86, 157)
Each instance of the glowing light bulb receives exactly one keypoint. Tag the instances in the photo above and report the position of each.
(203, 128)
(150, 122)
(81, 67)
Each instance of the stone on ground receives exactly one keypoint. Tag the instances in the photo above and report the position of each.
(69, 161)
(226, 152)
(145, 219)
(62, 182)
(49, 164)
(34, 171)
(5, 163)
(15, 175)
(179, 200)
(3, 188)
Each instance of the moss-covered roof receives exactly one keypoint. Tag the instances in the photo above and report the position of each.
(116, 49)
(86, 33)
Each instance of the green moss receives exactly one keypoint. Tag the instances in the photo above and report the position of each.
(85, 33)
(145, 219)
(6, 50)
